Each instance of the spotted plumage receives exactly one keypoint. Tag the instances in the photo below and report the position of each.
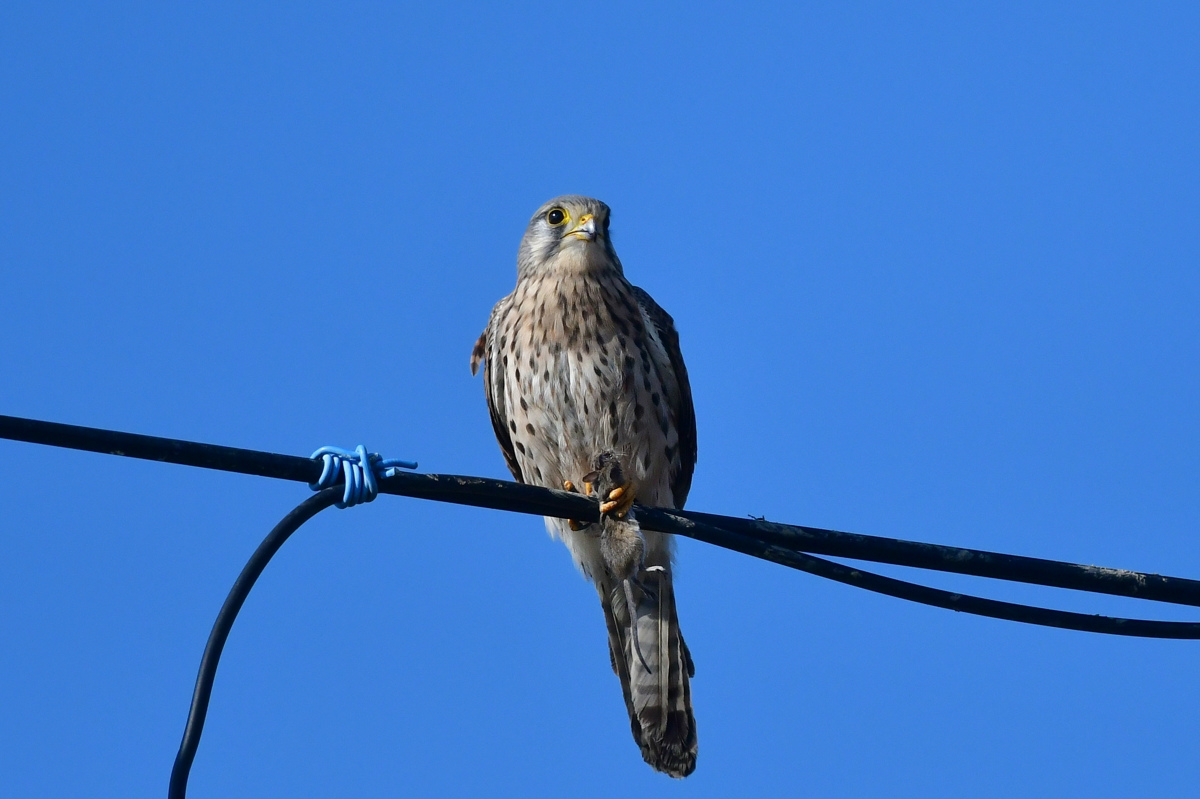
(577, 362)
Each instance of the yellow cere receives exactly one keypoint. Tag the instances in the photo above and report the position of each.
(577, 231)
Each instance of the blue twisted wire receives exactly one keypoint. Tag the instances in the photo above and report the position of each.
(360, 470)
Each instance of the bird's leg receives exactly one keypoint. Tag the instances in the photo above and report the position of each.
(619, 501)
(576, 526)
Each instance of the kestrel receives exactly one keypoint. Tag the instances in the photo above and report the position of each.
(579, 362)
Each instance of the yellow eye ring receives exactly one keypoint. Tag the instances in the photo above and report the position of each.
(556, 217)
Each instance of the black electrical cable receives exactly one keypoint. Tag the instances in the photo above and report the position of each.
(925, 595)
(779, 543)
(728, 539)
(224, 623)
(505, 495)
(521, 498)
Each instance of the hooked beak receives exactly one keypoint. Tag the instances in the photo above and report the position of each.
(586, 229)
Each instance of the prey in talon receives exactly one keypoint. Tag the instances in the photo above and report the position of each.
(615, 492)
(621, 543)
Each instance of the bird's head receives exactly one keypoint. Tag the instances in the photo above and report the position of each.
(569, 232)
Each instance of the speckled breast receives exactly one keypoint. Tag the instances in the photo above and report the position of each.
(581, 380)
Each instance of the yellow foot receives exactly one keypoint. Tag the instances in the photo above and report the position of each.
(620, 500)
(574, 525)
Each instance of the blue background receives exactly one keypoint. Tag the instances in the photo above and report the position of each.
(935, 273)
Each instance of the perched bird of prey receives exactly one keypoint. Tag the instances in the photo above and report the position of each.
(580, 362)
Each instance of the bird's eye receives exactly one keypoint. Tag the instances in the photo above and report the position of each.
(556, 217)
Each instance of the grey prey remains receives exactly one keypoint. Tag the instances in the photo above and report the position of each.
(621, 542)
(579, 362)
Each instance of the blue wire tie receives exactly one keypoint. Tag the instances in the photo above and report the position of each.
(360, 470)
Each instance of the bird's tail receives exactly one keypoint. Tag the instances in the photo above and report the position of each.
(657, 691)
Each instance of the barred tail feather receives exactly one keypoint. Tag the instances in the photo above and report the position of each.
(657, 694)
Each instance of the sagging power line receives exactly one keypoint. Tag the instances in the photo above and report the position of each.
(788, 545)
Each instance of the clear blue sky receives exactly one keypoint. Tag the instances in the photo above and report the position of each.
(936, 277)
